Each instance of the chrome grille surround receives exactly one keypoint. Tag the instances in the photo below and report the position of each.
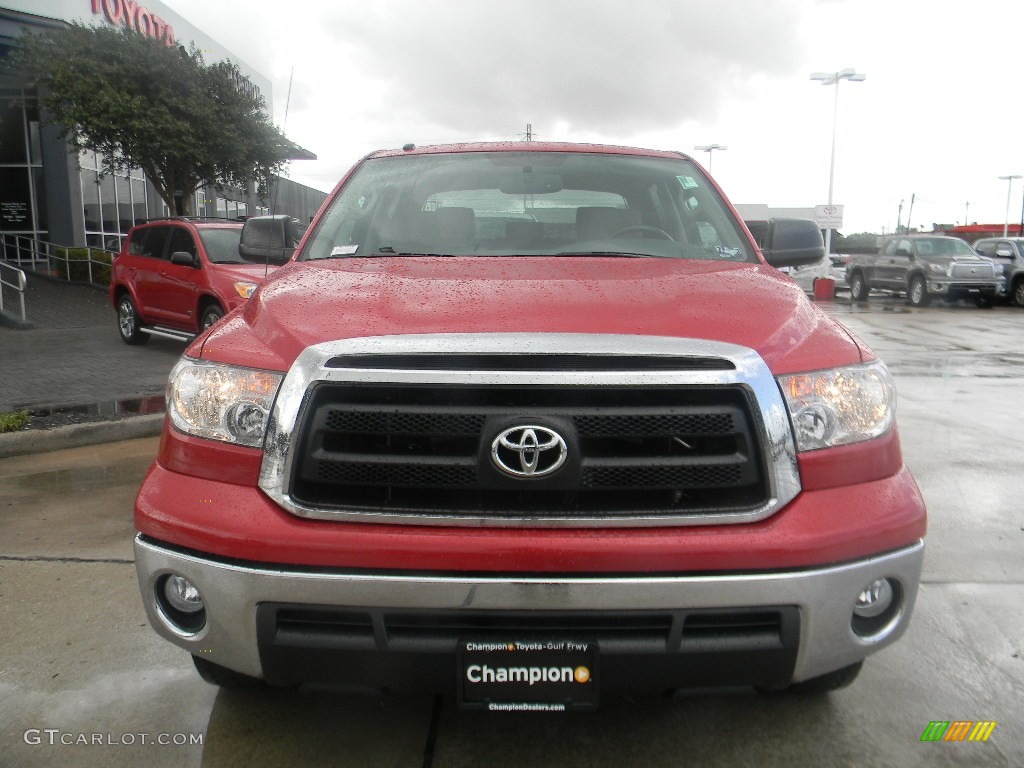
(745, 368)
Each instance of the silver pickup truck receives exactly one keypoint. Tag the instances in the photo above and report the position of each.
(926, 267)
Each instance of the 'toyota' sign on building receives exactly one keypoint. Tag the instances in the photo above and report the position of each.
(130, 14)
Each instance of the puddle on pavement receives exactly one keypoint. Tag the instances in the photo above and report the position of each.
(110, 409)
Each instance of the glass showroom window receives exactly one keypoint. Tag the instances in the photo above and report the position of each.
(22, 196)
(111, 203)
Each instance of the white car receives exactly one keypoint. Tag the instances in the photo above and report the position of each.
(806, 275)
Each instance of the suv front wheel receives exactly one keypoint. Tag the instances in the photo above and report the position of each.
(858, 288)
(210, 315)
(128, 322)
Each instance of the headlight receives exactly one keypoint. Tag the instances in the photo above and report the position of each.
(937, 269)
(840, 406)
(245, 290)
(221, 402)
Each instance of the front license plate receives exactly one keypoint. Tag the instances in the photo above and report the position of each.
(550, 675)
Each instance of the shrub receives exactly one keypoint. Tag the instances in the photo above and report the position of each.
(77, 266)
(12, 422)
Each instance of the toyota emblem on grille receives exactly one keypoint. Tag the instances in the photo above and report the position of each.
(528, 451)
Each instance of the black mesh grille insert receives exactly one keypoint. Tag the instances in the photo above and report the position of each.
(644, 451)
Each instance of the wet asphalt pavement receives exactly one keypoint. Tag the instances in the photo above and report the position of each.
(78, 662)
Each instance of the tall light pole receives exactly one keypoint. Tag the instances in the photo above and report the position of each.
(1009, 185)
(833, 78)
(709, 148)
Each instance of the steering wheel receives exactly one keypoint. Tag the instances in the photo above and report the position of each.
(645, 228)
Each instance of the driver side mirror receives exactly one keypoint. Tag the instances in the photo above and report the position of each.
(791, 242)
(268, 239)
(184, 259)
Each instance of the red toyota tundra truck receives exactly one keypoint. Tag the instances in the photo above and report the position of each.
(530, 424)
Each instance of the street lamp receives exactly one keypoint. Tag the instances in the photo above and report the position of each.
(1009, 185)
(709, 148)
(833, 78)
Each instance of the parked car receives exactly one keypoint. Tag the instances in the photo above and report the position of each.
(832, 266)
(531, 424)
(177, 277)
(1009, 253)
(926, 267)
(839, 261)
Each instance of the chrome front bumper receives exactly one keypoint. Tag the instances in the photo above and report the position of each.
(824, 596)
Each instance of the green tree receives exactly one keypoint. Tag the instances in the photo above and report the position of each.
(139, 102)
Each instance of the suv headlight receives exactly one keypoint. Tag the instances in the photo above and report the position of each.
(840, 406)
(244, 289)
(938, 269)
(221, 402)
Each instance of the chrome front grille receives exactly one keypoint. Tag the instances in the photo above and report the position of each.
(405, 429)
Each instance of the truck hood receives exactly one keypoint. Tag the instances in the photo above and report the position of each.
(752, 305)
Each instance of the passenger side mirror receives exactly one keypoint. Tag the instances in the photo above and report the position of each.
(1004, 252)
(268, 239)
(904, 252)
(791, 242)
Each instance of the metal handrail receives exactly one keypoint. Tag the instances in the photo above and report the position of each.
(40, 255)
(18, 285)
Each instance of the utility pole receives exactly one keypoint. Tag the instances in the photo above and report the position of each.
(1009, 185)
(899, 217)
(529, 132)
(967, 207)
(911, 211)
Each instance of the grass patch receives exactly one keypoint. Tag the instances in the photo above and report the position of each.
(12, 422)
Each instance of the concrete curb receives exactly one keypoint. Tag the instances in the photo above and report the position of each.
(77, 435)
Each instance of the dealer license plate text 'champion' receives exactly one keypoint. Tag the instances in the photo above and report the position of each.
(528, 675)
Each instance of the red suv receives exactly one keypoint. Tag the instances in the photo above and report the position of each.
(177, 277)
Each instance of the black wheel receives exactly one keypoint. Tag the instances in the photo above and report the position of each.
(985, 302)
(210, 315)
(128, 321)
(215, 674)
(1018, 292)
(858, 288)
(831, 681)
(917, 293)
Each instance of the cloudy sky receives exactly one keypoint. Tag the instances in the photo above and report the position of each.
(936, 117)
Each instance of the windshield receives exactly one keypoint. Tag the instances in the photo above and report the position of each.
(528, 203)
(944, 246)
(222, 244)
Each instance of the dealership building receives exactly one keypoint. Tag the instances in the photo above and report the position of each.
(50, 192)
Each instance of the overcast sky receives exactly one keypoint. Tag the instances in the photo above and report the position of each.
(937, 117)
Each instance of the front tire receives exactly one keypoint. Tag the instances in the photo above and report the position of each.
(128, 324)
(210, 315)
(917, 294)
(831, 681)
(858, 288)
(1018, 293)
(215, 674)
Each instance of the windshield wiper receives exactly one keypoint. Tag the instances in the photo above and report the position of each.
(623, 254)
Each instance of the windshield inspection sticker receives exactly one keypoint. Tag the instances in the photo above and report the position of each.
(688, 182)
(728, 253)
(344, 250)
